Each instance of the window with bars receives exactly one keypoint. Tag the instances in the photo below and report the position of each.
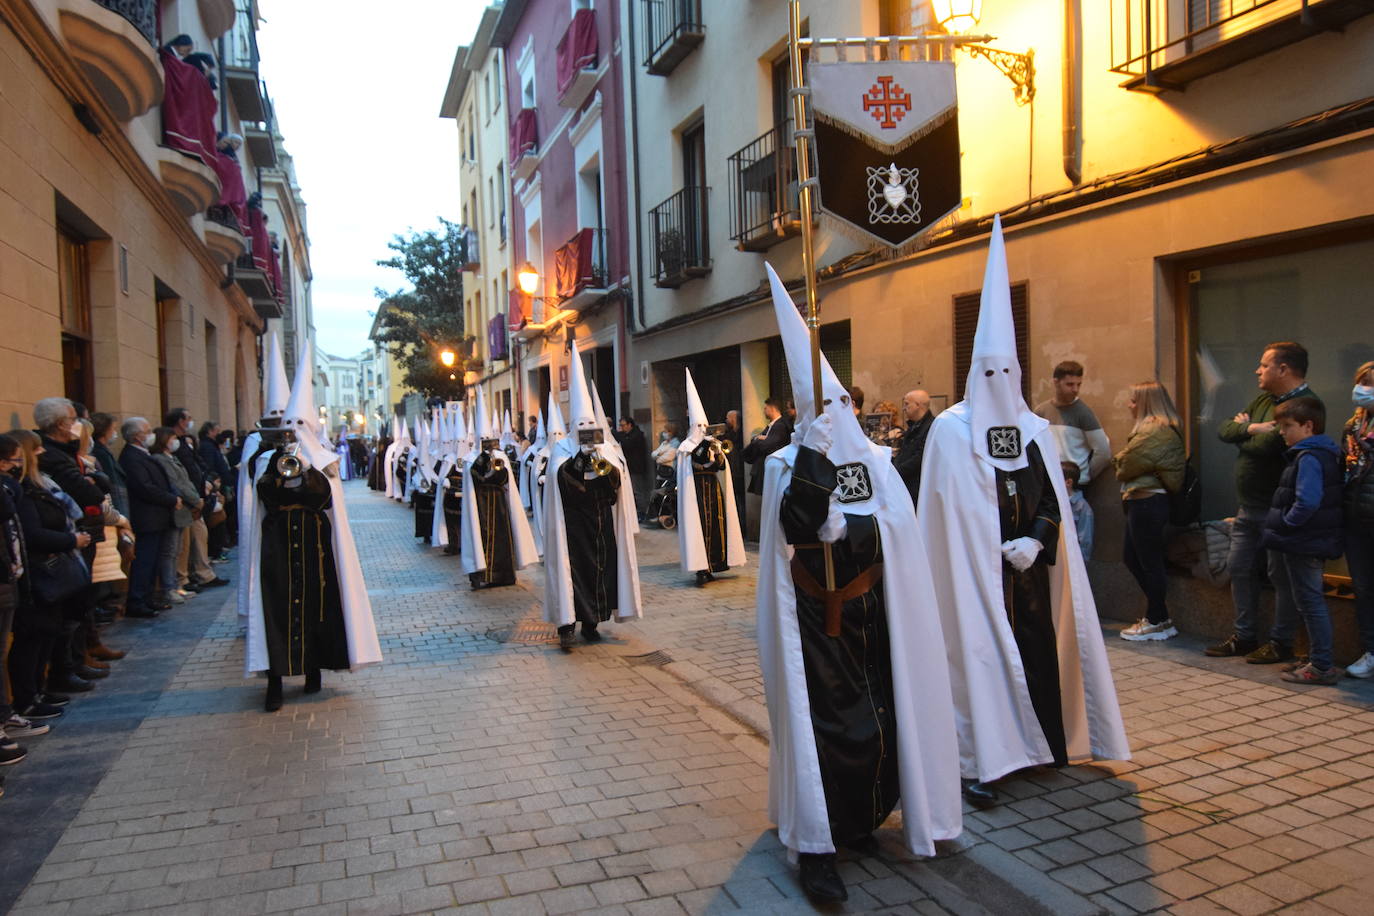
(966, 326)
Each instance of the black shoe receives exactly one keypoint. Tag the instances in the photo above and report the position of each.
(313, 681)
(104, 617)
(141, 613)
(11, 752)
(1232, 646)
(590, 634)
(191, 587)
(819, 878)
(702, 578)
(566, 639)
(41, 711)
(54, 699)
(272, 702)
(86, 672)
(214, 583)
(979, 794)
(1271, 653)
(71, 684)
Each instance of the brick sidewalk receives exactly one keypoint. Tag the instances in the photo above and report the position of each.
(481, 770)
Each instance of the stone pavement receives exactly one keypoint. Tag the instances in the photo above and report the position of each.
(481, 770)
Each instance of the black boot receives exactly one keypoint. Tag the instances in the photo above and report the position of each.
(979, 794)
(567, 637)
(273, 700)
(589, 632)
(312, 681)
(819, 878)
(702, 578)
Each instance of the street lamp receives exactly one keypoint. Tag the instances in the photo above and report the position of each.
(957, 15)
(528, 279)
(961, 15)
(447, 357)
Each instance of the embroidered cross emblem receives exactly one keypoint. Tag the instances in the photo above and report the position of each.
(1004, 442)
(852, 484)
(888, 102)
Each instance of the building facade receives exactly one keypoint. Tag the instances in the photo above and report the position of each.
(569, 218)
(119, 235)
(343, 384)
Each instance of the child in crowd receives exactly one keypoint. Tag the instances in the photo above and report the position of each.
(1082, 512)
(1304, 527)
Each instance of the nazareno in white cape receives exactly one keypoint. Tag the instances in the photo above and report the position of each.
(246, 509)
(558, 593)
(474, 557)
(363, 646)
(998, 730)
(438, 532)
(928, 764)
(690, 543)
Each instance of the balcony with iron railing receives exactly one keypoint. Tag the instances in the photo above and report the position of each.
(241, 65)
(114, 42)
(680, 231)
(260, 137)
(524, 144)
(576, 60)
(764, 199)
(580, 269)
(472, 253)
(1161, 45)
(672, 30)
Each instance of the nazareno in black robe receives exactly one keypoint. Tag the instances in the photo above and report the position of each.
(1028, 507)
(849, 676)
(707, 463)
(423, 504)
(302, 611)
(453, 509)
(589, 520)
(493, 517)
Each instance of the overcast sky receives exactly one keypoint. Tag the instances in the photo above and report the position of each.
(357, 89)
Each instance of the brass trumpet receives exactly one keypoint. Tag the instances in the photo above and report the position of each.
(289, 464)
(725, 446)
(600, 466)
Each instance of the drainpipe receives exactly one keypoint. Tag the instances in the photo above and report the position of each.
(634, 168)
(1072, 92)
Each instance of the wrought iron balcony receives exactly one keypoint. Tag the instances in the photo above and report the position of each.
(764, 204)
(580, 269)
(680, 230)
(672, 29)
(1166, 44)
(472, 254)
(259, 138)
(114, 43)
(241, 65)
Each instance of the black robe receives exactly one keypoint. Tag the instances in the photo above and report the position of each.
(849, 676)
(707, 463)
(302, 611)
(589, 520)
(1029, 507)
(422, 501)
(493, 516)
(453, 509)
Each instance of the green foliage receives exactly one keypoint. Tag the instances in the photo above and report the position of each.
(417, 324)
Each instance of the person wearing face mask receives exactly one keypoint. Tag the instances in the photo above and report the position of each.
(105, 435)
(152, 504)
(1357, 447)
(164, 448)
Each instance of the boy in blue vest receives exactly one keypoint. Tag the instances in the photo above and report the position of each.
(1304, 527)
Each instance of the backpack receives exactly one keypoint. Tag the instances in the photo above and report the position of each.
(1185, 503)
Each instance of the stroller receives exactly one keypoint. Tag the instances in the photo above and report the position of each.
(662, 509)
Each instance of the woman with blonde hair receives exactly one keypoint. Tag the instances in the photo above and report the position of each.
(1150, 467)
(1357, 445)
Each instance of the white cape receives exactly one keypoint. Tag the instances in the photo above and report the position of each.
(926, 746)
(998, 729)
(363, 646)
(558, 593)
(690, 542)
(522, 542)
(247, 511)
(438, 533)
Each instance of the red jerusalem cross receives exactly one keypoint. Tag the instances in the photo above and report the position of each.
(888, 103)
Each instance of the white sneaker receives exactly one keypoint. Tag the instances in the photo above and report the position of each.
(1362, 667)
(1142, 630)
(17, 726)
(184, 595)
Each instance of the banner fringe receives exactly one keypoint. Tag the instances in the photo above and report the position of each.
(887, 149)
(859, 236)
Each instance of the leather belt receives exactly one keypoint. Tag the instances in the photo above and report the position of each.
(834, 600)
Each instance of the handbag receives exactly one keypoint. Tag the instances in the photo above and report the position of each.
(1185, 503)
(59, 577)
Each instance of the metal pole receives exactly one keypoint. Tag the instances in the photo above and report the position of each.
(802, 134)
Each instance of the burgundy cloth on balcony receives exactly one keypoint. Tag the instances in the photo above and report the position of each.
(496, 337)
(574, 264)
(524, 134)
(262, 245)
(232, 193)
(577, 50)
(520, 309)
(188, 109)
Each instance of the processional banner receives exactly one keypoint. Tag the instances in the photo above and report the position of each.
(887, 147)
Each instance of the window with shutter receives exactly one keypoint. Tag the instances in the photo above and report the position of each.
(966, 325)
(835, 345)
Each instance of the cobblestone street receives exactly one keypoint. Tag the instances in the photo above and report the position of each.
(480, 769)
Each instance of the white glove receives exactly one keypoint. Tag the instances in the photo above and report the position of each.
(1021, 553)
(835, 526)
(819, 436)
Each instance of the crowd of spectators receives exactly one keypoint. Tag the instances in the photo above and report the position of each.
(87, 538)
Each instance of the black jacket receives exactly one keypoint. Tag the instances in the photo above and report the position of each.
(13, 551)
(212, 459)
(46, 527)
(635, 448)
(59, 462)
(151, 497)
(911, 452)
(1359, 483)
(776, 437)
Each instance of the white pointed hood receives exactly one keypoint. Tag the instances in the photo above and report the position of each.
(541, 437)
(483, 420)
(696, 416)
(278, 389)
(1002, 424)
(581, 410)
(507, 432)
(556, 429)
(851, 452)
(302, 417)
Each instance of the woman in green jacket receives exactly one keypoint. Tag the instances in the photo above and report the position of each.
(1150, 467)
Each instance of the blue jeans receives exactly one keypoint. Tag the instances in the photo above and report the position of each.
(1244, 562)
(1305, 583)
(167, 560)
(1359, 556)
(143, 570)
(1082, 522)
(1144, 551)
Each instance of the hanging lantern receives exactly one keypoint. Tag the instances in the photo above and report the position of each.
(957, 15)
